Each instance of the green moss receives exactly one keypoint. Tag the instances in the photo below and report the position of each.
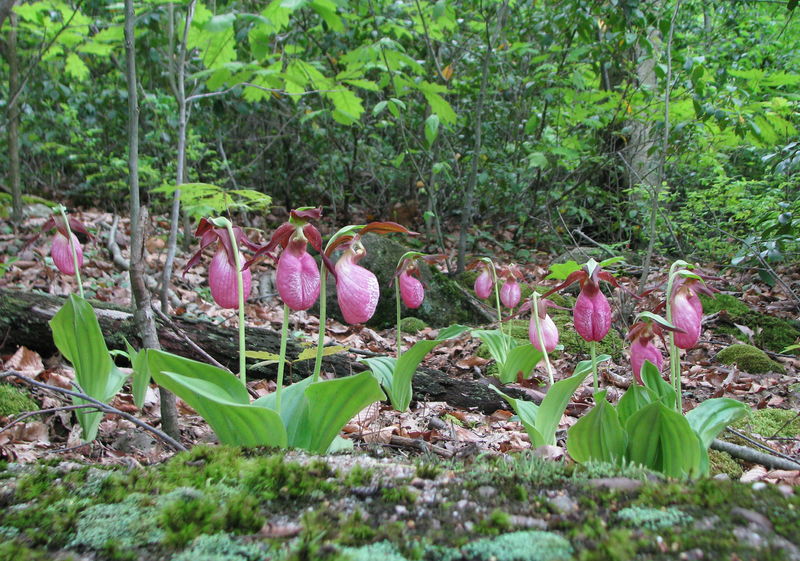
(597, 470)
(653, 518)
(722, 462)
(188, 513)
(14, 401)
(496, 523)
(771, 422)
(358, 476)
(520, 546)
(273, 477)
(749, 359)
(15, 551)
(612, 344)
(412, 325)
(619, 544)
(220, 547)
(399, 495)
(47, 523)
(771, 333)
(356, 529)
(428, 470)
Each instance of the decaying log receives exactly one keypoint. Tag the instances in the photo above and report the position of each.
(24, 318)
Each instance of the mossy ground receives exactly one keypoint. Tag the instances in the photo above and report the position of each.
(748, 358)
(770, 332)
(14, 400)
(226, 504)
(771, 423)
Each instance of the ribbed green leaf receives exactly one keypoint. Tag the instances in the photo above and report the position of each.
(220, 398)
(519, 361)
(634, 398)
(661, 388)
(661, 439)
(527, 411)
(598, 435)
(77, 334)
(710, 417)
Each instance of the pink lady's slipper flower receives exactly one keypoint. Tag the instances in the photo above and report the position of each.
(592, 312)
(687, 311)
(357, 288)
(484, 283)
(222, 270)
(510, 292)
(549, 329)
(412, 291)
(641, 336)
(60, 249)
(297, 275)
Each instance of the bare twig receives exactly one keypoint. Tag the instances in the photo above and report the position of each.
(421, 445)
(749, 455)
(104, 407)
(794, 464)
(29, 414)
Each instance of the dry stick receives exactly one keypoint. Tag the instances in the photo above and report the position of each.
(749, 455)
(24, 416)
(104, 407)
(421, 445)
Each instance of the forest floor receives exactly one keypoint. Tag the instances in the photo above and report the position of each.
(436, 482)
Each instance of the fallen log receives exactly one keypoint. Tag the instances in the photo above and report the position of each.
(24, 318)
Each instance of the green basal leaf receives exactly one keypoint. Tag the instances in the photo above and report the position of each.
(77, 334)
(661, 388)
(262, 355)
(634, 398)
(499, 344)
(220, 398)
(598, 435)
(710, 417)
(520, 360)
(382, 368)
(662, 439)
(655, 318)
(527, 411)
(557, 398)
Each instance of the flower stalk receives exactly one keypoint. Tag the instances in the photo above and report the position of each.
(540, 334)
(70, 237)
(282, 357)
(237, 259)
(323, 316)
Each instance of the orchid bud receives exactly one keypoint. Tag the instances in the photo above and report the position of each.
(592, 313)
(357, 288)
(549, 333)
(222, 280)
(297, 276)
(411, 290)
(61, 253)
(483, 284)
(644, 349)
(687, 315)
(510, 293)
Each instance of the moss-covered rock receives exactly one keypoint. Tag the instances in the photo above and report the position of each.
(412, 325)
(722, 462)
(653, 518)
(533, 545)
(771, 422)
(445, 301)
(748, 358)
(14, 400)
(770, 332)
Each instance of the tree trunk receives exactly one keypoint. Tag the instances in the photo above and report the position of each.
(179, 70)
(143, 314)
(24, 317)
(12, 111)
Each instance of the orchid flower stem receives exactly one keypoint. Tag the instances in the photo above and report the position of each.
(237, 262)
(397, 297)
(593, 353)
(497, 298)
(72, 251)
(282, 357)
(323, 317)
(540, 334)
(674, 352)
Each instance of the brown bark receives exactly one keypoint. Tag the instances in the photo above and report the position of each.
(24, 317)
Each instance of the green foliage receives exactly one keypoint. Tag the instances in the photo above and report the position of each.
(77, 334)
(381, 550)
(14, 400)
(412, 325)
(511, 357)
(771, 422)
(395, 374)
(748, 358)
(274, 478)
(541, 422)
